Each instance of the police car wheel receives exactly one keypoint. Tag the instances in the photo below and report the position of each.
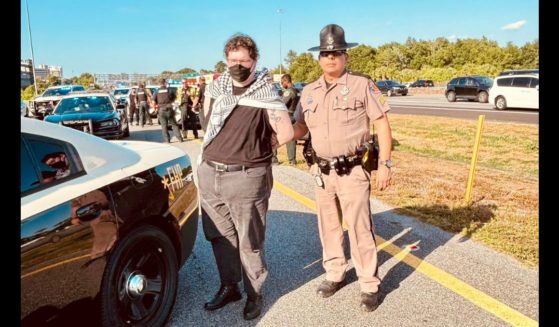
(126, 132)
(140, 280)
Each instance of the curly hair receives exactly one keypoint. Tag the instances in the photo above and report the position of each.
(241, 41)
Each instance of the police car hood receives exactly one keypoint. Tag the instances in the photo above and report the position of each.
(151, 154)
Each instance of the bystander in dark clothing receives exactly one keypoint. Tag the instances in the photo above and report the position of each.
(143, 97)
(188, 116)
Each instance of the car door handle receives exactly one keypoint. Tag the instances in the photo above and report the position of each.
(89, 212)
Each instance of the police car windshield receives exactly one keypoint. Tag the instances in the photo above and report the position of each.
(121, 91)
(57, 91)
(84, 104)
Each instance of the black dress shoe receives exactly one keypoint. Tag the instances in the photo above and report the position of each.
(369, 301)
(253, 307)
(226, 294)
(328, 288)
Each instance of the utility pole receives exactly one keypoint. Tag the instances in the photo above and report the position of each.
(32, 54)
(280, 11)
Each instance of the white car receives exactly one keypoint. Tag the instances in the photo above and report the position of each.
(105, 227)
(515, 91)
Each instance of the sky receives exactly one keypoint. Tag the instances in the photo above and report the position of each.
(108, 36)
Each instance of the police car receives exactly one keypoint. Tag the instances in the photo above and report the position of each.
(121, 96)
(105, 227)
(44, 104)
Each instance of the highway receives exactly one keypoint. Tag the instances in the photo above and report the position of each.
(437, 105)
(445, 280)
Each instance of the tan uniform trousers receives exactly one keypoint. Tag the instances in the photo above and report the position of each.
(351, 193)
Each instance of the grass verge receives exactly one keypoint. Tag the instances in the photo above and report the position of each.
(432, 158)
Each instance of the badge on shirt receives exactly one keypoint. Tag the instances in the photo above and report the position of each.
(344, 91)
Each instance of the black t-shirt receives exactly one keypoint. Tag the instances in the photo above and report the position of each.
(244, 139)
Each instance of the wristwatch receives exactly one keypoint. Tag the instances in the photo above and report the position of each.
(387, 163)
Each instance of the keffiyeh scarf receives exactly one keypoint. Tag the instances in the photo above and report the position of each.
(260, 95)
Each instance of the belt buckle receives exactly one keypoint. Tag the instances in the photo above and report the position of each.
(220, 167)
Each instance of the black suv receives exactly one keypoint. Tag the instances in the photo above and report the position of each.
(390, 87)
(469, 87)
(422, 83)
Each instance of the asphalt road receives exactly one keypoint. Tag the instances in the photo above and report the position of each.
(445, 281)
(437, 105)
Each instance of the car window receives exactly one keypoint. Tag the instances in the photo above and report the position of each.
(470, 82)
(84, 104)
(521, 82)
(28, 175)
(504, 82)
(55, 160)
(462, 81)
(534, 82)
(380, 83)
(453, 81)
(79, 88)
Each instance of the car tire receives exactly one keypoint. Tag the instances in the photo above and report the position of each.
(483, 97)
(389, 93)
(140, 280)
(404, 94)
(126, 131)
(500, 103)
(451, 96)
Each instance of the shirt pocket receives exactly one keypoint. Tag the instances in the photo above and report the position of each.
(348, 111)
(310, 114)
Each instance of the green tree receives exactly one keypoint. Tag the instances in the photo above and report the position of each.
(28, 93)
(205, 71)
(85, 79)
(220, 67)
(305, 68)
(185, 71)
(290, 58)
(362, 59)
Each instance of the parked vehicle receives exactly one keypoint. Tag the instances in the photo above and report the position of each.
(422, 83)
(121, 96)
(474, 88)
(515, 91)
(390, 87)
(93, 113)
(519, 72)
(105, 227)
(44, 104)
(23, 109)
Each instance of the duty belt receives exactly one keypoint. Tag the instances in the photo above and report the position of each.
(221, 167)
(341, 164)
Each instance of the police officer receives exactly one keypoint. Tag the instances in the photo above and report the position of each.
(143, 97)
(290, 97)
(337, 109)
(164, 100)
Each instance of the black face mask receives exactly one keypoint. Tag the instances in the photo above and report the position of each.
(239, 72)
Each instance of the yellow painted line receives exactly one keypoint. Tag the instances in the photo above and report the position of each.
(55, 265)
(447, 280)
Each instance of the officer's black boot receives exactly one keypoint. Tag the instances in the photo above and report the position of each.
(369, 301)
(253, 307)
(328, 288)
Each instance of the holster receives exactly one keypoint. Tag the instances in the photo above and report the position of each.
(369, 159)
(308, 152)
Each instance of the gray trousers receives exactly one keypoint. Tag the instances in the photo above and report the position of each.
(234, 221)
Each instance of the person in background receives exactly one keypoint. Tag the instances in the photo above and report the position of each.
(198, 103)
(290, 97)
(163, 100)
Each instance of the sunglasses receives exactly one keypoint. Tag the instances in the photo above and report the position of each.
(338, 53)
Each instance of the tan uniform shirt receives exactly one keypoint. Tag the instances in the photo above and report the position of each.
(339, 117)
